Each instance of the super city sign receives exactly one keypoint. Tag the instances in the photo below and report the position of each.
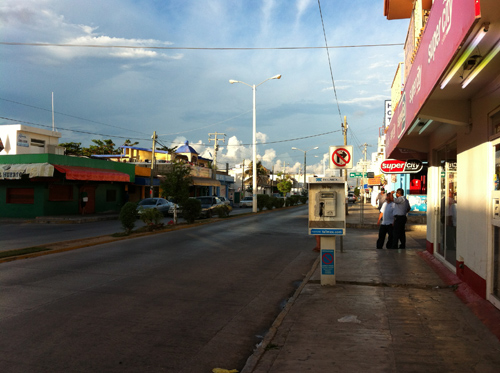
(393, 166)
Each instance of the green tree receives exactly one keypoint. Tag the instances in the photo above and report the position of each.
(175, 184)
(262, 175)
(285, 186)
(72, 148)
(101, 147)
(130, 143)
(167, 149)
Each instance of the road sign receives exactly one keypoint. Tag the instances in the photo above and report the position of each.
(358, 174)
(341, 157)
(327, 262)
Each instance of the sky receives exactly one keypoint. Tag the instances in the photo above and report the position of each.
(173, 77)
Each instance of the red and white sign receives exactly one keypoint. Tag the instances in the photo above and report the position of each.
(449, 23)
(393, 166)
(341, 157)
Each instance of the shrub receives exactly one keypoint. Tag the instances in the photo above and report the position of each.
(191, 210)
(222, 211)
(279, 202)
(152, 218)
(271, 202)
(128, 216)
(288, 202)
(303, 199)
(262, 201)
(294, 200)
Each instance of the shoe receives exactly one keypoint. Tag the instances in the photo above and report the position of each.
(317, 249)
(379, 248)
(401, 247)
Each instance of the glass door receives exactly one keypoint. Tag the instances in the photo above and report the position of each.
(447, 226)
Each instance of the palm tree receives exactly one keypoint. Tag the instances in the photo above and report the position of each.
(262, 174)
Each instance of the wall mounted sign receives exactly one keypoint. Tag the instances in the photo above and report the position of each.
(393, 166)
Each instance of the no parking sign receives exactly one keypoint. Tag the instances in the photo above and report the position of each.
(341, 157)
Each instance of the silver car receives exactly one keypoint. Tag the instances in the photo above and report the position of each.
(246, 202)
(160, 204)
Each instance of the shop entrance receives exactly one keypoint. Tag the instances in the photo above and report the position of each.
(447, 226)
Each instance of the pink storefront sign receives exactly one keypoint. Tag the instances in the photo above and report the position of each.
(449, 23)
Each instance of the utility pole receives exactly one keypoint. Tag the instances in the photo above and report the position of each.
(154, 137)
(242, 180)
(345, 126)
(216, 140)
(365, 145)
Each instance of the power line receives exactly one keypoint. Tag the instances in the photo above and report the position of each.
(172, 142)
(329, 61)
(197, 48)
(72, 130)
(71, 116)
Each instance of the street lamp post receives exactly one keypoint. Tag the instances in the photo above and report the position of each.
(254, 157)
(305, 151)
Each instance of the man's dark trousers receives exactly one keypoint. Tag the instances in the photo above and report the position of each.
(399, 231)
(383, 230)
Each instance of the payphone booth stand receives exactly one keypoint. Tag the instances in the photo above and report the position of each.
(327, 219)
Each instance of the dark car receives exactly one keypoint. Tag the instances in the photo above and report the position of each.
(160, 204)
(207, 205)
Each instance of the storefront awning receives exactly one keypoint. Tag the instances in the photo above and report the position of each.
(95, 174)
(203, 181)
(15, 171)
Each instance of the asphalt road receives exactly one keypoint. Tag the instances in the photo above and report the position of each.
(19, 235)
(183, 301)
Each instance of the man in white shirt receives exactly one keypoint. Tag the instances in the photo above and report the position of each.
(386, 217)
(400, 211)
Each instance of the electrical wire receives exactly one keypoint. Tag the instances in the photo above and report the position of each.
(73, 130)
(196, 48)
(329, 61)
(68, 115)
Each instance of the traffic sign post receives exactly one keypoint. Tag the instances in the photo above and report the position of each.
(341, 157)
(327, 260)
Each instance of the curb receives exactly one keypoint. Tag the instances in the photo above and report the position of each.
(254, 359)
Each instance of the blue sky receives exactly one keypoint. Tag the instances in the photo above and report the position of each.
(184, 94)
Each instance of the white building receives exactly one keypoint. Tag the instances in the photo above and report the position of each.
(21, 139)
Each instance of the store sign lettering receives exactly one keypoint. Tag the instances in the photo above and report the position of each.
(393, 166)
(417, 83)
(441, 30)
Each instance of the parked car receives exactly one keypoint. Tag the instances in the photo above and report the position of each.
(161, 204)
(224, 200)
(246, 202)
(208, 204)
(351, 197)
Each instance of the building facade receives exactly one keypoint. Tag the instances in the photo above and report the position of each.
(446, 111)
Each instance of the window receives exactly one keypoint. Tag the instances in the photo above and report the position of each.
(21, 195)
(111, 195)
(495, 123)
(39, 143)
(60, 193)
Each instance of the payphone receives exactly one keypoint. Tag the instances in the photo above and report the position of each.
(327, 219)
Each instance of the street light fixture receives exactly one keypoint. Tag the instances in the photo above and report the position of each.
(305, 151)
(254, 158)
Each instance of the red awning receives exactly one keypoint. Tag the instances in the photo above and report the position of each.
(96, 174)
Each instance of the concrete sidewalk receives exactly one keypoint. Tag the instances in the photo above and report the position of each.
(390, 311)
